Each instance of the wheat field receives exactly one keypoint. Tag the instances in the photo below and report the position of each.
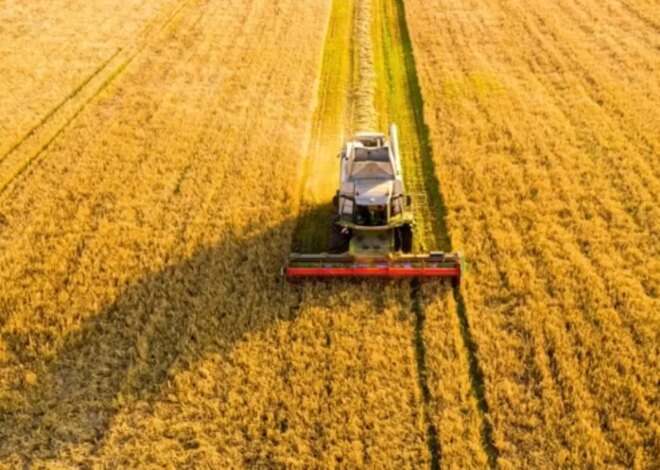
(158, 160)
(52, 49)
(544, 120)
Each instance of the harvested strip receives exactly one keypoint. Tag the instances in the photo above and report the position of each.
(363, 96)
(329, 127)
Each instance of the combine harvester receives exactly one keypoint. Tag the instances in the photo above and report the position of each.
(372, 230)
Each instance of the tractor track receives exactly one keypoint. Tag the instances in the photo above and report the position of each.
(57, 107)
(32, 146)
(432, 432)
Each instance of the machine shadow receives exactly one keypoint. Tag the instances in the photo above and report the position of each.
(312, 232)
(158, 326)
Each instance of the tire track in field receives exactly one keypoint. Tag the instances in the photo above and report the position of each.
(406, 107)
(57, 107)
(28, 149)
(432, 431)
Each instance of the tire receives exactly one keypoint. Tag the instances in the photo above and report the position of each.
(339, 242)
(404, 239)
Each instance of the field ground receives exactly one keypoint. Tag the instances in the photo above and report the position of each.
(157, 170)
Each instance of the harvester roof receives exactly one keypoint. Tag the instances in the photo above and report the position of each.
(372, 191)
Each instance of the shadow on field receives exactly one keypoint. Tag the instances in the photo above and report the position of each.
(156, 327)
(312, 233)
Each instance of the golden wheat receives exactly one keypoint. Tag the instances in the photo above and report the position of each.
(134, 333)
(128, 250)
(543, 121)
(155, 171)
(44, 59)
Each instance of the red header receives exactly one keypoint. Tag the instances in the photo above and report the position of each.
(385, 271)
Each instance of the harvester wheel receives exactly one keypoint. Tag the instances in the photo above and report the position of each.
(404, 239)
(339, 242)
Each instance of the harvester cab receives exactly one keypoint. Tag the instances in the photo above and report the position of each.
(373, 227)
